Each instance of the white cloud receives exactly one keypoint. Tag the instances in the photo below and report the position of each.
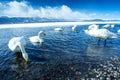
(18, 9)
(63, 12)
(22, 9)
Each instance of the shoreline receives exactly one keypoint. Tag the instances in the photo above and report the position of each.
(53, 24)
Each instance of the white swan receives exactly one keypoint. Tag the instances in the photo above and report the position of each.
(104, 34)
(59, 29)
(37, 39)
(74, 27)
(106, 26)
(112, 26)
(118, 31)
(17, 44)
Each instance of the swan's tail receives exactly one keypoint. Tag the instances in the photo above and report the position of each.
(114, 36)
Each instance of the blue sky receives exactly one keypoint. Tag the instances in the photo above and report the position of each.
(61, 9)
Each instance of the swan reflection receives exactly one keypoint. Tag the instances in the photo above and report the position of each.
(37, 44)
(97, 50)
(20, 65)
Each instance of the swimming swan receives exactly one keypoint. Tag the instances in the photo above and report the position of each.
(37, 39)
(59, 29)
(112, 25)
(118, 31)
(106, 26)
(74, 27)
(17, 44)
(104, 34)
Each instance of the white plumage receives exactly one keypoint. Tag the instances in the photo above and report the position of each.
(17, 44)
(38, 38)
(104, 34)
(93, 26)
(106, 26)
(59, 29)
(74, 27)
(112, 26)
(118, 31)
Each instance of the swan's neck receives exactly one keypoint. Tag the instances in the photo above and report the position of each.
(22, 48)
(39, 35)
(24, 54)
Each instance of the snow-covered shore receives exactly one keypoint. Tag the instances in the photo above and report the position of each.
(52, 24)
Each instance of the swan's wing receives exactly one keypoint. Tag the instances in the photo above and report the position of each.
(34, 39)
(112, 35)
(93, 33)
(106, 34)
(13, 43)
(41, 40)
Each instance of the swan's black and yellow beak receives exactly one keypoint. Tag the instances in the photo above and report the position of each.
(27, 60)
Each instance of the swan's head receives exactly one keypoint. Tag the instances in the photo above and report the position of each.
(41, 33)
(25, 56)
(93, 27)
(75, 26)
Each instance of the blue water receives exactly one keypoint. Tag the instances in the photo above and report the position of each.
(62, 55)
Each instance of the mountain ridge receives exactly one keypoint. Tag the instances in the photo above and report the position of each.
(14, 20)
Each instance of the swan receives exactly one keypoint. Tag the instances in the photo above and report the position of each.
(104, 34)
(37, 39)
(16, 44)
(112, 26)
(106, 26)
(59, 29)
(118, 31)
(74, 27)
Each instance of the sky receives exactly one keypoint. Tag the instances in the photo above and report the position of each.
(62, 9)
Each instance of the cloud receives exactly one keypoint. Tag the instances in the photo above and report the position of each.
(22, 9)
(18, 9)
(62, 12)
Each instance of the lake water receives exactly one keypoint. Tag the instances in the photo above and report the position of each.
(64, 55)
